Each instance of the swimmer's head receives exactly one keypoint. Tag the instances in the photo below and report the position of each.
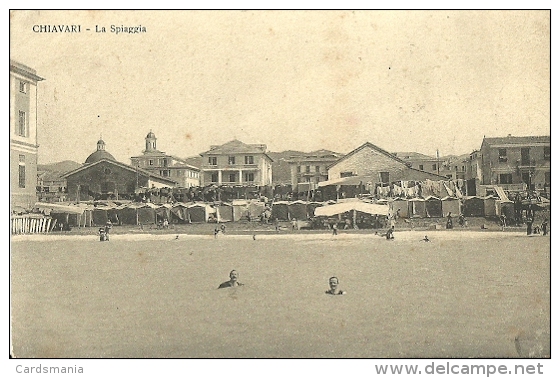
(333, 283)
(233, 275)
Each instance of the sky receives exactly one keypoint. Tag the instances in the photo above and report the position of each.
(300, 80)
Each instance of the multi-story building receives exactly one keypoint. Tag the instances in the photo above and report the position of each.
(473, 174)
(421, 162)
(23, 135)
(311, 167)
(236, 163)
(516, 160)
(376, 165)
(165, 165)
(51, 186)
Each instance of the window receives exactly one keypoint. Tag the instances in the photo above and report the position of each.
(21, 171)
(346, 174)
(231, 160)
(299, 169)
(22, 125)
(421, 167)
(502, 155)
(249, 160)
(212, 160)
(214, 177)
(249, 177)
(547, 153)
(434, 167)
(165, 162)
(317, 180)
(307, 169)
(384, 177)
(525, 156)
(22, 87)
(232, 177)
(151, 162)
(505, 178)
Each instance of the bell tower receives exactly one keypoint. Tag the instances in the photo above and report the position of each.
(151, 142)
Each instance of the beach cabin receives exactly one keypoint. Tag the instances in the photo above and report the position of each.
(198, 213)
(179, 213)
(417, 208)
(490, 206)
(297, 210)
(434, 208)
(224, 212)
(473, 206)
(240, 209)
(451, 205)
(396, 204)
(280, 210)
(255, 209)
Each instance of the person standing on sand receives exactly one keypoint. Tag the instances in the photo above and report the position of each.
(233, 280)
(449, 223)
(544, 227)
(335, 229)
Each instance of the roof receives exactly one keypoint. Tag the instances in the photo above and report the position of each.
(517, 140)
(122, 165)
(150, 135)
(24, 70)
(372, 146)
(99, 155)
(413, 156)
(237, 147)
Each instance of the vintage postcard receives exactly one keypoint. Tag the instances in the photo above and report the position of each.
(280, 184)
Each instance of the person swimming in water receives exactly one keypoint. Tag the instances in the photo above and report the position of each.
(425, 239)
(233, 282)
(334, 290)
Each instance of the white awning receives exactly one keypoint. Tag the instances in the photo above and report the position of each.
(364, 207)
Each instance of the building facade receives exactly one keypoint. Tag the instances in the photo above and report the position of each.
(311, 167)
(516, 160)
(236, 163)
(377, 166)
(23, 135)
(165, 165)
(51, 187)
(420, 161)
(102, 177)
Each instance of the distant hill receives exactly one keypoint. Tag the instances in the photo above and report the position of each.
(62, 166)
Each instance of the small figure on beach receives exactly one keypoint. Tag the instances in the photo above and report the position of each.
(389, 235)
(425, 239)
(233, 280)
(223, 228)
(294, 224)
(529, 222)
(254, 237)
(108, 226)
(461, 220)
(216, 232)
(335, 229)
(544, 227)
(334, 290)
(176, 237)
(449, 223)
(103, 236)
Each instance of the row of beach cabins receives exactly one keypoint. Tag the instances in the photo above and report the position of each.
(67, 216)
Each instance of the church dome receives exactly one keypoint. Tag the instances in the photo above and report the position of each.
(99, 155)
(150, 135)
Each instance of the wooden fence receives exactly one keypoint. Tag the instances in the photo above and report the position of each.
(22, 224)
